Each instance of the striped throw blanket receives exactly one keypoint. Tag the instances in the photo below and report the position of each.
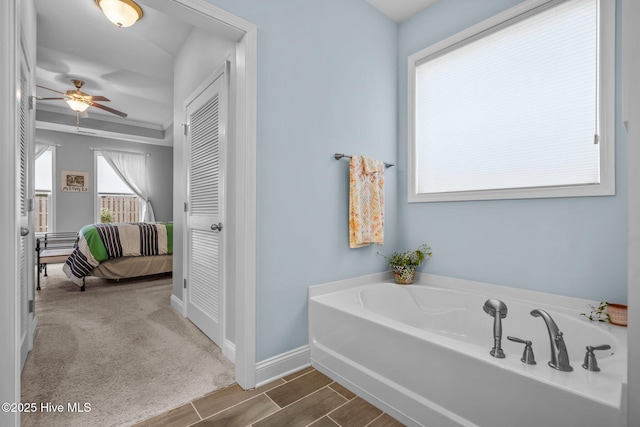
(100, 242)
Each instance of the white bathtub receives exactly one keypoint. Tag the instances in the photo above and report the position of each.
(421, 353)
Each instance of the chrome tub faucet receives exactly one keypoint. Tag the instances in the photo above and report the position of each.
(498, 310)
(559, 355)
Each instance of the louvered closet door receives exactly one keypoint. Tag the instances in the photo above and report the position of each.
(206, 140)
(26, 247)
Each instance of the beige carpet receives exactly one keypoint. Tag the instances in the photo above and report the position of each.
(118, 347)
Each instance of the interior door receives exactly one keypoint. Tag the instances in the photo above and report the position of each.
(205, 143)
(27, 314)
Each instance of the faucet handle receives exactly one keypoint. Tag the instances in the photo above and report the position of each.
(590, 362)
(527, 355)
(600, 347)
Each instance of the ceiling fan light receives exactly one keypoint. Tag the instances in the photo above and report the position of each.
(123, 13)
(77, 106)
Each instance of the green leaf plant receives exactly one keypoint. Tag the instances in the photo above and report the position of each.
(409, 258)
(598, 313)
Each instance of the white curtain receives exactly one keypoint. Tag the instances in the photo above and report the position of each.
(41, 148)
(132, 168)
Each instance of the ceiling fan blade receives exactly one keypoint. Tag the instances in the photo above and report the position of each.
(109, 109)
(52, 90)
(98, 98)
(51, 99)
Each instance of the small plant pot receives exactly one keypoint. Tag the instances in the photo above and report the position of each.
(617, 314)
(404, 275)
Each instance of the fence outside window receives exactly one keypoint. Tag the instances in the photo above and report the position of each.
(41, 212)
(116, 208)
(119, 208)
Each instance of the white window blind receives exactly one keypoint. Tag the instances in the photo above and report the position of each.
(514, 107)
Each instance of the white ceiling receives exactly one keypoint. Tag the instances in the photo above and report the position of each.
(133, 67)
(400, 10)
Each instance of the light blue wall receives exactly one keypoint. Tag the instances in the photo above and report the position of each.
(332, 78)
(327, 82)
(570, 246)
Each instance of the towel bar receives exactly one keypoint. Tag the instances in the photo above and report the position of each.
(338, 156)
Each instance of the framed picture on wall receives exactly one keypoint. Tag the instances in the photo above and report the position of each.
(75, 181)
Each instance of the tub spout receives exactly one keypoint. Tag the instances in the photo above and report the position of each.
(498, 310)
(559, 355)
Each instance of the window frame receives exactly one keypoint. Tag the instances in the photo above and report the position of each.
(606, 108)
(98, 195)
(51, 195)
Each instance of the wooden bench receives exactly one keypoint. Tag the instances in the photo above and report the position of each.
(54, 248)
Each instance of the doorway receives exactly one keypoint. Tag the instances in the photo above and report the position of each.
(242, 249)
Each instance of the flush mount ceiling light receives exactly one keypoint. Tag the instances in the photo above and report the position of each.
(123, 13)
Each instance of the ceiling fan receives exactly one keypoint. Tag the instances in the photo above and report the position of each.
(79, 101)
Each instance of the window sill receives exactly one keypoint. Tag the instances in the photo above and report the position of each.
(519, 193)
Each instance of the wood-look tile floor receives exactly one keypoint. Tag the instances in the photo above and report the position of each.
(305, 398)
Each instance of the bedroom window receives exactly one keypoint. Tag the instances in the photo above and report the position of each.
(518, 106)
(43, 199)
(116, 201)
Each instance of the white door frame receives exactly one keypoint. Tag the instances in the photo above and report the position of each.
(9, 226)
(245, 171)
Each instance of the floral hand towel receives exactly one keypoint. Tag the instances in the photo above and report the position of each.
(366, 201)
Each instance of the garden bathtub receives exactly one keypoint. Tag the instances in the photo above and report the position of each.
(421, 353)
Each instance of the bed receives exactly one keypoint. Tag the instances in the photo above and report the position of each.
(121, 251)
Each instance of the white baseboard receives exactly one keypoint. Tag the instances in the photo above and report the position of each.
(229, 350)
(282, 365)
(34, 330)
(178, 305)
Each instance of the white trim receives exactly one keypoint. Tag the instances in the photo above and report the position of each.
(101, 133)
(96, 197)
(281, 365)
(52, 205)
(9, 293)
(607, 112)
(245, 209)
(229, 350)
(200, 12)
(34, 330)
(631, 113)
(178, 305)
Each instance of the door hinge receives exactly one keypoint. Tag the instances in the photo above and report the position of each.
(185, 127)
(186, 206)
(30, 204)
(30, 306)
(185, 283)
(596, 139)
(31, 98)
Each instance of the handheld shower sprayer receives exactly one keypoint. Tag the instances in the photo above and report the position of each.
(498, 310)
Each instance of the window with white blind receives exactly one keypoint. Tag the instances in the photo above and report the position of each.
(518, 106)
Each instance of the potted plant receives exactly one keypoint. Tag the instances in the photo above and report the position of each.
(403, 264)
(608, 312)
